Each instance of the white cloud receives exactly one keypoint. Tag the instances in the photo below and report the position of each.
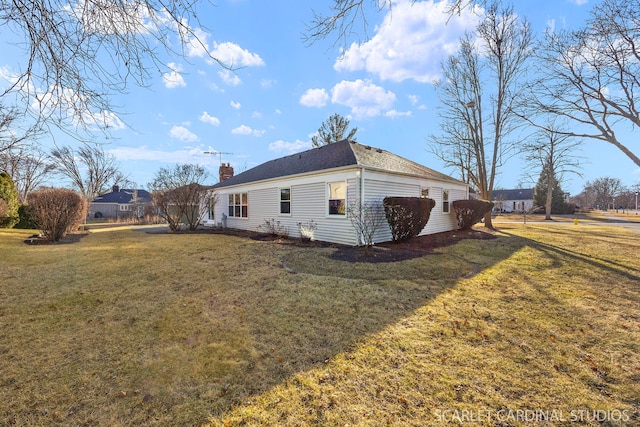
(278, 111)
(235, 105)
(256, 115)
(206, 118)
(363, 97)
(411, 43)
(144, 153)
(234, 56)
(395, 114)
(229, 77)
(579, 2)
(197, 46)
(281, 146)
(246, 130)
(173, 78)
(267, 83)
(183, 134)
(314, 98)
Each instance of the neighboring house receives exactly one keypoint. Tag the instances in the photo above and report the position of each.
(517, 200)
(120, 204)
(320, 184)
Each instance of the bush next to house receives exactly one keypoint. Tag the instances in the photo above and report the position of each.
(8, 201)
(470, 212)
(56, 211)
(407, 216)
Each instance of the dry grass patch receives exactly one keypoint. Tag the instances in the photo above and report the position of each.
(130, 328)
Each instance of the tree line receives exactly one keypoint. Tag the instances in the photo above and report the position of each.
(568, 85)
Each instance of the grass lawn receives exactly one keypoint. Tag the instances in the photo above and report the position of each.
(128, 328)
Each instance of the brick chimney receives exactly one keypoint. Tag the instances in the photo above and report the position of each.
(226, 171)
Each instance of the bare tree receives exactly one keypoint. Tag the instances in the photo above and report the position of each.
(178, 193)
(333, 130)
(552, 153)
(79, 54)
(592, 76)
(90, 170)
(14, 131)
(345, 15)
(28, 167)
(602, 192)
(476, 135)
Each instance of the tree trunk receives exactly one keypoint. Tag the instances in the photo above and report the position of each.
(548, 202)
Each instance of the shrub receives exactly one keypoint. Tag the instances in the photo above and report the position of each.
(366, 218)
(25, 221)
(273, 228)
(56, 211)
(307, 229)
(8, 201)
(407, 216)
(470, 212)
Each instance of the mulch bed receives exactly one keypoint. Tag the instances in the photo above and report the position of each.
(381, 252)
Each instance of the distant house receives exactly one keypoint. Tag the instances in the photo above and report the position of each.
(517, 200)
(320, 184)
(120, 204)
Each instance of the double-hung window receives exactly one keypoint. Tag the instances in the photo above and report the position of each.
(337, 192)
(445, 201)
(285, 201)
(238, 205)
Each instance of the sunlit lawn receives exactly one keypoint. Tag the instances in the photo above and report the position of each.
(129, 328)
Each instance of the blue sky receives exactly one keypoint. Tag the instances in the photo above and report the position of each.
(283, 91)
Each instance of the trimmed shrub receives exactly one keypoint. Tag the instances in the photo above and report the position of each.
(57, 211)
(470, 212)
(8, 201)
(407, 216)
(25, 221)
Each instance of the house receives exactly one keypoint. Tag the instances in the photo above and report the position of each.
(120, 204)
(320, 184)
(517, 200)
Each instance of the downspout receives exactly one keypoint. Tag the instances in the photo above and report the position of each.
(362, 201)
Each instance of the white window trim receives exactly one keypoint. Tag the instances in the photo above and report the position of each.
(280, 201)
(328, 195)
(247, 198)
(448, 204)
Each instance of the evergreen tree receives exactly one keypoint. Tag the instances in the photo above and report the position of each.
(558, 205)
(8, 201)
(333, 130)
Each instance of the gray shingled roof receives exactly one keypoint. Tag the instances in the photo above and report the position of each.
(516, 194)
(331, 156)
(123, 196)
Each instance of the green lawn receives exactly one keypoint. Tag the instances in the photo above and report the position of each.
(128, 328)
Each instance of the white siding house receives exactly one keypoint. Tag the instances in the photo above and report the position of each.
(320, 185)
(517, 200)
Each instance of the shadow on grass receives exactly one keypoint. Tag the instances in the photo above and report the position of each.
(173, 328)
(601, 261)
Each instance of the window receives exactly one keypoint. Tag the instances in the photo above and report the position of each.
(445, 201)
(238, 205)
(424, 193)
(285, 201)
(124, 207)
(337, 198)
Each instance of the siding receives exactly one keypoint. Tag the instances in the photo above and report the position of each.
(309, 202)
